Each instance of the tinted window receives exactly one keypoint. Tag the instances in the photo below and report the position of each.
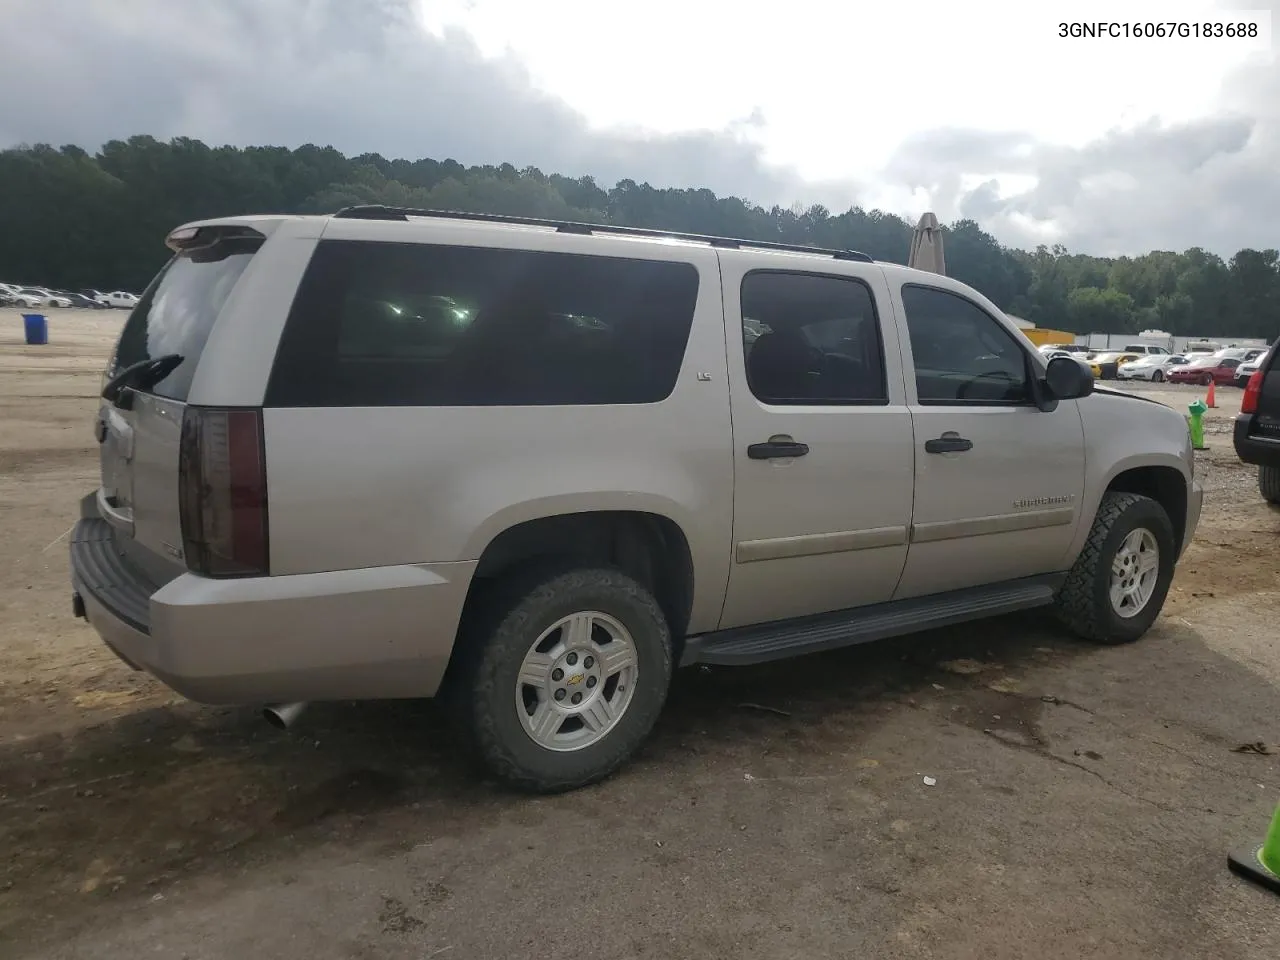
(811, 339)
(382, 324)
(177, 311)
(962, 354)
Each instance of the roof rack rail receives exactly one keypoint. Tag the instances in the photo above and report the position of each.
(376, 211)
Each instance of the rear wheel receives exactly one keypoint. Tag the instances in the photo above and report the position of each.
(1157, 376)
(562, 676)
(1118, 584)
(1269, 484)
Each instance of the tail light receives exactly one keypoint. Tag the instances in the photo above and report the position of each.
(1252, 391)
(222, 492)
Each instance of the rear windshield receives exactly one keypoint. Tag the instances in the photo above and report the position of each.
(390, 324)
(177, 311)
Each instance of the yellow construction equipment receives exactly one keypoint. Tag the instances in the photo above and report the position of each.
(1040, 336)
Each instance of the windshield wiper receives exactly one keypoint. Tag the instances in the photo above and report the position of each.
(141, 375)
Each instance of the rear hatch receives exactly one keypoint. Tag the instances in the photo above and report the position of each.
(141, 416)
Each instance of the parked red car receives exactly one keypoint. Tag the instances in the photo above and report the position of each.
(1206, 370)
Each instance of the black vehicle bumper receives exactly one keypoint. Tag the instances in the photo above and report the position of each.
(1257, 442)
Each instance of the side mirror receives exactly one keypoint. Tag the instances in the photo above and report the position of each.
(1068, 379)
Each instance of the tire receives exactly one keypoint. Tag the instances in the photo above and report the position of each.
(1269, 484)
(1206, 380)
(1157, 376)
(508, 621)
(1084, 601)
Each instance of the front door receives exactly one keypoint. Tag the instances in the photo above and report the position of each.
(998, 481)
(822, 440)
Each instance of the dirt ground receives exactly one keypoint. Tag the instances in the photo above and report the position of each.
(1080, 801)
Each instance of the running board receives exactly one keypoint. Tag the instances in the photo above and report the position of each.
(760, 643)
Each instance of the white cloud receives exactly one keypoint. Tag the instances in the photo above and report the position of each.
(1078, 138)
(981, 109)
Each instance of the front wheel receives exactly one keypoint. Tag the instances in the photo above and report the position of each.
(561, 676)
(1118, 584)
(1157, 376)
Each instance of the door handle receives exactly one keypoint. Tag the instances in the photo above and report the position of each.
(777, 448)
(948, 444)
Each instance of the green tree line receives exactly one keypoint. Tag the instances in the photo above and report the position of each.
(72, 219)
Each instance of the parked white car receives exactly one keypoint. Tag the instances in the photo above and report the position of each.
(40, 297)
(1243, 354)
(119, 298)
(22, 298)
(1248, 369)
(1151, 367)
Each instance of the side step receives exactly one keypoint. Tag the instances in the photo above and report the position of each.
(761, 643)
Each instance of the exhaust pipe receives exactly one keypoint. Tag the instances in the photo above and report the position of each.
(282, 715)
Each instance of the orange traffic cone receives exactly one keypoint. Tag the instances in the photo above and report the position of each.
(1209, 397)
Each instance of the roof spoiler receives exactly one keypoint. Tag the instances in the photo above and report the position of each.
(197, 237)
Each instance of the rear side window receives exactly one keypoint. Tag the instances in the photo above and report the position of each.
(177, 311)
(392, 324)
(811, 340)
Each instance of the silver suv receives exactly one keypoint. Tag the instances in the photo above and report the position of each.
(530, 467)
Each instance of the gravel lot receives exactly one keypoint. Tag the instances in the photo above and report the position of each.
(1084, 804)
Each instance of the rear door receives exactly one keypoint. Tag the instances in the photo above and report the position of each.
(822, 439)
(1225, 372)
(139, 433)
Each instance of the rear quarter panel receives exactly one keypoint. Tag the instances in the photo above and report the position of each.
(360, 487)
(237, 358)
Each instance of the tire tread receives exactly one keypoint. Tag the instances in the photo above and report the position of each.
(1269, 484)
(505, 614)
(1075, 604)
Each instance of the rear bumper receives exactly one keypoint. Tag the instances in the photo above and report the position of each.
(375, 633)
(1251, 447)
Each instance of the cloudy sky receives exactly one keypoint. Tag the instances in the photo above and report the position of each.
(977, 109)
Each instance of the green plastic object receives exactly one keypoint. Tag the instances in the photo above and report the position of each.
(1197, 409)
(1261, 864)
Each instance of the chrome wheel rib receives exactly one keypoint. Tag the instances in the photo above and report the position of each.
(1134, 572)
(576, 681)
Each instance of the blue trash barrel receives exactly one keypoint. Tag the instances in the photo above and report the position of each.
(36, 327)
